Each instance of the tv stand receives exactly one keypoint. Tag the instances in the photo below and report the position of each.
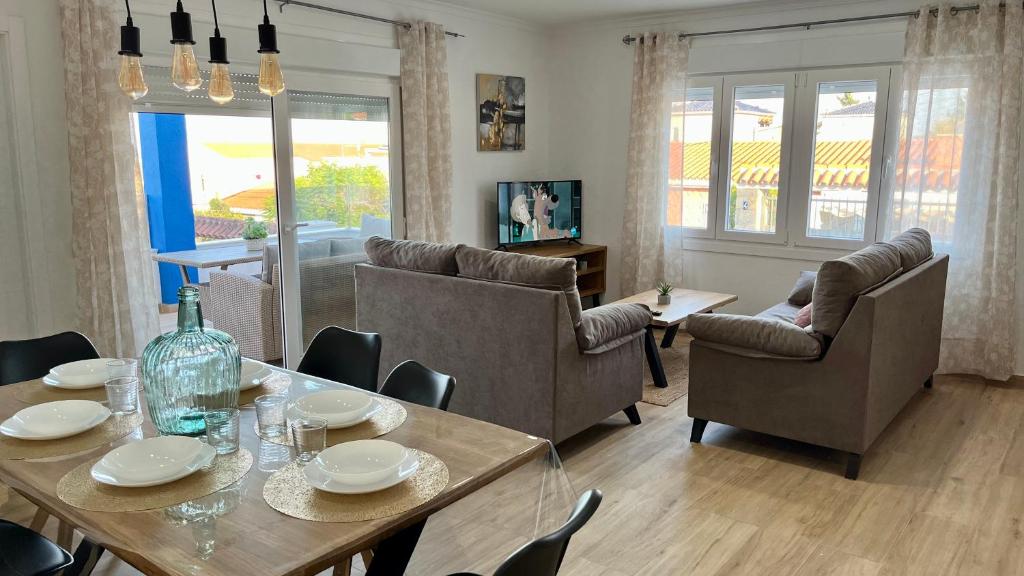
(590, 281)
(575, 241)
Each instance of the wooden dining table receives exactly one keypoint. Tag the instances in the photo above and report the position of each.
(251, 538)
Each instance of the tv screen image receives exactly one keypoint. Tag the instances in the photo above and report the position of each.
(539, 210)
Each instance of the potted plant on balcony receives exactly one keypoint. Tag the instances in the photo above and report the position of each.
(664, 293)
(255, 234)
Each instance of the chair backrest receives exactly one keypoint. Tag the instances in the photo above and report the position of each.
(543, 556)
(22, 360)
(25, 552)
(414, 382)
(344, 356)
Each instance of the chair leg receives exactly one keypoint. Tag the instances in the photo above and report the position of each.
(39, 520)
(929, 382)
(632, 414)
(697, 432)
(852, 466)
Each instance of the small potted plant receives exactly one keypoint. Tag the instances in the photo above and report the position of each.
(255, 234)
(664, 293)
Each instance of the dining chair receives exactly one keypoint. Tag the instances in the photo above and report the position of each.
(27, 553)
(22, 360)
(413, 382)
(344, 356)
(543, 556)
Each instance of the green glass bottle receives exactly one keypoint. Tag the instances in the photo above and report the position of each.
(189, 371)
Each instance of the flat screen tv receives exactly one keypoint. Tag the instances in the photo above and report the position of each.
(539, 211)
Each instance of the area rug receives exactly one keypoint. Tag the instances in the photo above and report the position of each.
(676, 361)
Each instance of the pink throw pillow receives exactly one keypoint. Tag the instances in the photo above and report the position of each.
(803, 317)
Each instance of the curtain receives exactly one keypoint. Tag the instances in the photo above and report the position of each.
(426, 132)
(652, 251)
(117, 294)
(957, 168)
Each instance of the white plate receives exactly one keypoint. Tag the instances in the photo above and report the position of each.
(83, 373)
(54, 420)
(153, 461)
(341, 408)
(362, 462)
(319, 479)
(253, 374)
(51, 380)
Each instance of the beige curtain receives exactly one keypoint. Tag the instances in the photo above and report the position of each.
(956, 172)
(117, 296)
(651, 250)
(426, 132)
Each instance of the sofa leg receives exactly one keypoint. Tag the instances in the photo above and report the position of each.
(697, 432)
(632, 414)
(852, 466)
(929, 382)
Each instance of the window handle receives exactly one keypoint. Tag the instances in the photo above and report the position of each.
(289, 228)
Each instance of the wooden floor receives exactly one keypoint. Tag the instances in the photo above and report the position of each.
(941, 492)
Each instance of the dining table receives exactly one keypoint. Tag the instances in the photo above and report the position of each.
(249, 537)
(220, 257)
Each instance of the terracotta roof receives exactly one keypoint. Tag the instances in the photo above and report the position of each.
(218, 228)
(251, 199)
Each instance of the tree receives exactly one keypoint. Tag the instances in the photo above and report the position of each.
(847, 99)
(219, 209)
(340, 194)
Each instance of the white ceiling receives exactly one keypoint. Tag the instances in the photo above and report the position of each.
(568, 11)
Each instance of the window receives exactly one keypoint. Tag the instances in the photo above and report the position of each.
(693, 157)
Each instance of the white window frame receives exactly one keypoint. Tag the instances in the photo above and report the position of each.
(715, 83)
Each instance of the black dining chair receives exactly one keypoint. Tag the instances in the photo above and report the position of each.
(22, 360)
(413, 382)
(344, 356)
(27, 553)
(543, 556)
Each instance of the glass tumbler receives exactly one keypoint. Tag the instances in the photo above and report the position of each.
(309, 436)
(123, 368)
(270, 414)
(123, 395)
(222, 430)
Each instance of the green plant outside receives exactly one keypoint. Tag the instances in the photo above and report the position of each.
(339, 194)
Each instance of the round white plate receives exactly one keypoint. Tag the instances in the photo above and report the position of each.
(253, 374)
(362, 462)
(341, 408)
(153, 461)
(83, 373)
(51, 380)
(53, 420)
(319, 479)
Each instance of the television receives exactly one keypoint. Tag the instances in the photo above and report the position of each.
(539, 211)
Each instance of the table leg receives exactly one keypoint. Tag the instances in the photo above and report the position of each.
(184, 274)
(654, 359)
(670, 336)
(393, 553)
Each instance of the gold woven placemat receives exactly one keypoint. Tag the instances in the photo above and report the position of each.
(276, 384)
(114, 428)
(287, 492)
(35, 392)
(390, 416)
(78, 489)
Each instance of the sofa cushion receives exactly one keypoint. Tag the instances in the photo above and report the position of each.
(413, 255)
(783, 311)
(753, 333)
(343, 246)
(525, 270)
(307, 251)
(606, 327)
(914, 246)
(840, 281)
(802, 291)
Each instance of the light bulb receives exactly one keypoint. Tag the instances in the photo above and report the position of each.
(130, 79)
(271, 78)
(221, 91)
(185, 69)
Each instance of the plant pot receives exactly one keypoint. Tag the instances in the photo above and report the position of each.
(664, 299)
(255, 244)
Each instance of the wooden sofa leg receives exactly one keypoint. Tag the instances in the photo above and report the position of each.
(632, 414)
(930, 381)
(852, 466)
(697, 432)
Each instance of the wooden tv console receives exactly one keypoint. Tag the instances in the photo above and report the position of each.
(590, 281)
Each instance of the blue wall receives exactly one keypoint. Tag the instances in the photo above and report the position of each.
(172, 225)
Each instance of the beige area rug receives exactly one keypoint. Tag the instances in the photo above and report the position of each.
(676, 361)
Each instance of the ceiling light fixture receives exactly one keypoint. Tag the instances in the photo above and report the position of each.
(271, 80)
(184, 68)
(221, 91)
(129, 77)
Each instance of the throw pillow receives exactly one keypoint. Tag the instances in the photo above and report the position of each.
(800, 295)
(803, 317)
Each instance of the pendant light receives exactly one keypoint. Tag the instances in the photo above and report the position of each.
(184, 68)
(271, 80)
(129, 77)
(221, 91)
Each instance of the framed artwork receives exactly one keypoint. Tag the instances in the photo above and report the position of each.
(501, 106)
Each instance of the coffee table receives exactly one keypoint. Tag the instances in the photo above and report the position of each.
(684, 302)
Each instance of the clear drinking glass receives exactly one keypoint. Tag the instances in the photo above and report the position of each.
(309, 435)
(123, 395)
(222, 430)
(123, 368)
(270, 414)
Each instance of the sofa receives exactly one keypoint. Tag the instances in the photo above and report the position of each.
(249, 307)
(510, 328)
(872, 343)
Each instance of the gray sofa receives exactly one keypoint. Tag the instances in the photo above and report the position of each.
(876, 320)
(510, 328)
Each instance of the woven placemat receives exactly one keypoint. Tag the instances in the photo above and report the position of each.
(114, 428)
(78, 489)
(35, 392)
(391, 416)
(276, 384)
(287, 492)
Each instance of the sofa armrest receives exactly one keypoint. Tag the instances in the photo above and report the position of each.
(762, 335)
(606, 327)
(246, 308)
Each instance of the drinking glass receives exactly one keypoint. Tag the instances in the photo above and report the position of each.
(123, 368)
(270, 414)
(309, 435)
(222, 430)
(123, 395)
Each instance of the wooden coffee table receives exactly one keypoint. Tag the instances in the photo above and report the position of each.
(684, 303)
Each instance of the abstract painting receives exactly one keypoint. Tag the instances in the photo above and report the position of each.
(501, 105)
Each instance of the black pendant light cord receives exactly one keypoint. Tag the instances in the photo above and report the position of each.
(266, 18)
(128, 8)
(216, 27)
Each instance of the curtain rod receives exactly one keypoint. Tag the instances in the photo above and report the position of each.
(628, 39)
(283, 3)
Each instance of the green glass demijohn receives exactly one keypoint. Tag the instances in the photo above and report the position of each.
(189, 371)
